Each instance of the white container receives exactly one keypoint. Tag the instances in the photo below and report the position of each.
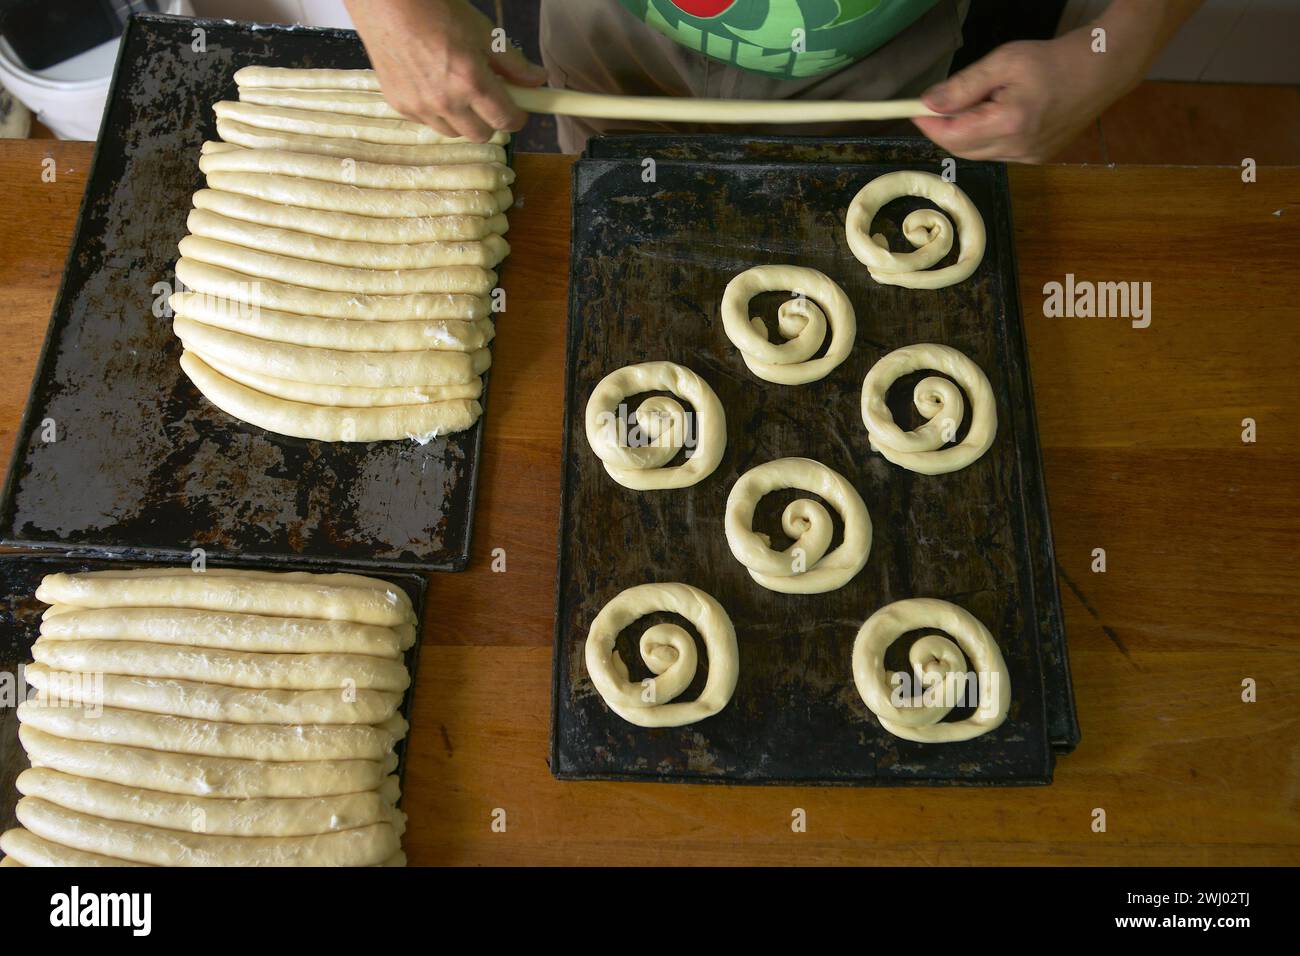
(68, 97)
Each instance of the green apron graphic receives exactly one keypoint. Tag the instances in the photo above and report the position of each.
(786, 38)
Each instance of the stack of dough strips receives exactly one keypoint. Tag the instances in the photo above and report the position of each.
(222, 718)
(337, 278)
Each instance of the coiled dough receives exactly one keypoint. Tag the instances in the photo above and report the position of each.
(283, 816)
(929, 231)
(938, 661)
(804, 567)
(669, 651)
(803, 321)
(663, 420)
(941, 404)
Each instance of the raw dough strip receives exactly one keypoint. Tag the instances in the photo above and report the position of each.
(668, 109)
(486, 253)
(669, 651)
(297, 78)
(344, 396)
(281, 817)
(299, 420)
(936, 660)
(447, 153)
(928, 230)
(349, 226)
(352, 102)
(674, 109)
(350, 172)
(380, 203)
(362, 846)
(801, 320)
(236, 632)
(204, 776)
(805, 567)
(661, 419)
(208, 738)
(327, 597)
(938, 401)
(448, 280)
(367, 129)
(25, 848)
(450, 335)
(204, 701)
(332, 366)
(285, 297)
(209, 665)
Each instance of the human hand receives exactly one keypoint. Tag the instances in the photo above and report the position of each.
(1025, 101)
(436, 65)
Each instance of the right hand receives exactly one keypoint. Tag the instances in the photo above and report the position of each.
(436, 66)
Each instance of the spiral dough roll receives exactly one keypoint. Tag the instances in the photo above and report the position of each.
(803, 321)
(937, 661)
(929, 231)
(661, 419)
(939, 401)
(805, 567)
(669, 651)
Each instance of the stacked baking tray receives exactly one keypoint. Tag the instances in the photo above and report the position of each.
(650, 260)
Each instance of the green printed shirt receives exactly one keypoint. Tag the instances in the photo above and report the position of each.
(782, 38)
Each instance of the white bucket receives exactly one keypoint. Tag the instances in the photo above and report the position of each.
(68, 97)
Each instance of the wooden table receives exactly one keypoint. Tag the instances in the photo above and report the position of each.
(1142, 436)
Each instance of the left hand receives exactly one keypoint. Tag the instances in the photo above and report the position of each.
(1025, 101)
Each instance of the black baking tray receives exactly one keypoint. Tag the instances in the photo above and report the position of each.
(649, 264)
(20, 624)
(143, 465)
(1062, 720)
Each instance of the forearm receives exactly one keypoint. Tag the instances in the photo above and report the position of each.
(1136, 32)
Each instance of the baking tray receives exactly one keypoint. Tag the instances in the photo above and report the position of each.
(1062, 719)
(143, 464)
(649, 264)
(20, 624)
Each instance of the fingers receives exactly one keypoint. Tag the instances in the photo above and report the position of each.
(516, 68)
(964, 89)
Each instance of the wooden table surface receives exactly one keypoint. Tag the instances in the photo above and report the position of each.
(1142, 438)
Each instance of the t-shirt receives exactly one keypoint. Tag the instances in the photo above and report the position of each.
(783, 38)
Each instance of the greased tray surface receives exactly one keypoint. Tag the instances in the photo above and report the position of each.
(20, 625)
(142, 463)
(649, 265)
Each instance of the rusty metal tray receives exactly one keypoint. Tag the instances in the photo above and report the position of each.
(649, 264)
(142, 464)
